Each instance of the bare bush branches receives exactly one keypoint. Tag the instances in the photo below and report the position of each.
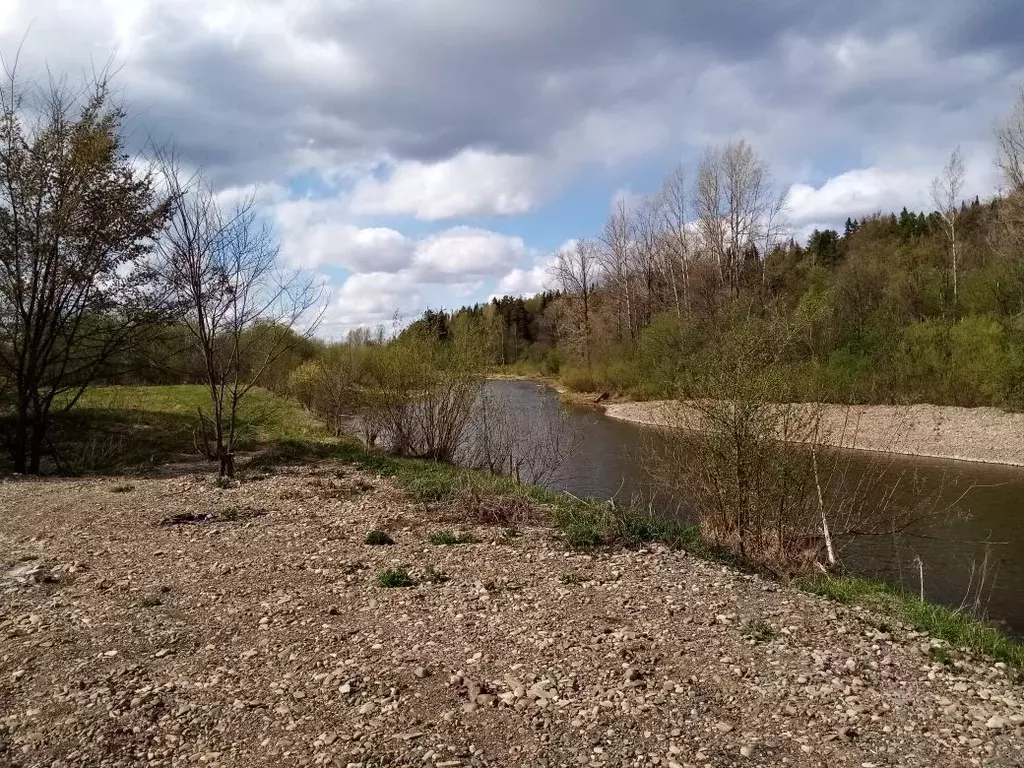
(763, 474)
(524, 443)
(241, 306)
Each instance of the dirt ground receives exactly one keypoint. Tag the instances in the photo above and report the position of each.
(168, 622)
(968, 434)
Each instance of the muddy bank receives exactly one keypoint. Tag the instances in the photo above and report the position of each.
(986, 435)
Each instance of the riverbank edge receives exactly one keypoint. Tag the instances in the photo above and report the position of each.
(584, 524)
(979, 435)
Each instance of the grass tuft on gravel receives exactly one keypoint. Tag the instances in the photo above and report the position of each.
(378, 538)
(446, 538)
(395, 578)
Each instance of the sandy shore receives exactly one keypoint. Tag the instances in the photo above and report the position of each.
(986, 435)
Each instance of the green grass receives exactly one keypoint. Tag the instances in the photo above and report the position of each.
(395, 578)
(117, 429)
(445, 538)
(956, 628)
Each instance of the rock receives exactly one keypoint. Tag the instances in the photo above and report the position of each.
(420, 672)
(724, 727)
(746, 750)
(996, 723)
(367, 708)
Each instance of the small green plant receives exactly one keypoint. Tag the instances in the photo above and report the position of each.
(223, 482)
(573, 578)
(510, 533)
(124, 488)
(150, 601)
(941, 655)
(434, 576)
(444, 538)
(395, 578)
(759, 631)
(378, 538)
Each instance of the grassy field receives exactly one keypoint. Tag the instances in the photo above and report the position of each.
(125, 429)
(134, 428)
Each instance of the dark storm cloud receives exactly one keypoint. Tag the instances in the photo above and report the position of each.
(423, 81)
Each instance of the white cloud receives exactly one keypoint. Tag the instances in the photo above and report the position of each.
(472, 183)
(856, 193)
(526, 282)
(465, 251)
(370, 299)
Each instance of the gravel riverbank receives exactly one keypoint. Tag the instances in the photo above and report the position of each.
(986, 435)
(166, 622)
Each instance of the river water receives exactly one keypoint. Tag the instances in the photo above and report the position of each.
(985, 522)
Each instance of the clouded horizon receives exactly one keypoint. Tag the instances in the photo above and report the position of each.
(423, 153)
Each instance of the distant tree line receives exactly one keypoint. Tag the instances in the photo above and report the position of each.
(897, 307)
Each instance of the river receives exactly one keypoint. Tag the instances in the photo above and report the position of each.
(986, 504)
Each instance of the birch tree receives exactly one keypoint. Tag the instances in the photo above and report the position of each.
(675, 245)
(738, 208)
(575, 272)
(615, 256)
(946, 194)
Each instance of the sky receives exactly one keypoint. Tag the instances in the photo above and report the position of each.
(433, 153)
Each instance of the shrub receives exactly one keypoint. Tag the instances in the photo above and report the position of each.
(378, 538)
(395, 578)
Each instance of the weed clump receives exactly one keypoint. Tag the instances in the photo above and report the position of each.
(378, 538)
(759, 631)
(446, 538)
(395, 578)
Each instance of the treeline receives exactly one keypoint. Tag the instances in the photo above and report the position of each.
(896, 307)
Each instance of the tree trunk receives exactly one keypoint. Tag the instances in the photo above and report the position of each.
(35, 454)
(20, 448)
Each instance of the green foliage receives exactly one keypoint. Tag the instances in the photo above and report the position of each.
(395, 578)
(378, 538)
(955, 627)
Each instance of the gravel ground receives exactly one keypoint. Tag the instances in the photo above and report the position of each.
(256, 634)
(986, 435)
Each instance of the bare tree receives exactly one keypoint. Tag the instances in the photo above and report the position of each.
(241, 307)
(77, 219)
(645, 264)
(1010, 151)
(616, 258)
(737, 207)
(946, 191)
(575, 271)
(1009, 234)
(675, 245)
